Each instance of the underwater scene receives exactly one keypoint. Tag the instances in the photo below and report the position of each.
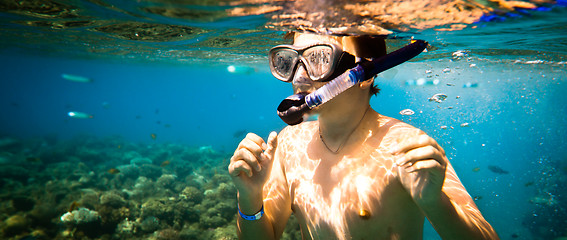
(119, 118)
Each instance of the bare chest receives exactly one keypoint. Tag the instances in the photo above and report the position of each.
(351, 196)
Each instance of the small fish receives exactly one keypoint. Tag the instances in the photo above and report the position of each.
(407, 112)
(496, 169)
(476, 169)
(76, 78)
(119, 146)
(167, 125)
(165, 163)
(80, 115)
(438, 98)
(239, 133)
(476, 198)
(464, 124)
(113, 171)
(74, 206)
(530, 183)
(154, 136)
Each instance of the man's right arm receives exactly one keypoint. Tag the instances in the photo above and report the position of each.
(258, 175)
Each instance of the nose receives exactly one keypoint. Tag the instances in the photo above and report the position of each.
(301, 76)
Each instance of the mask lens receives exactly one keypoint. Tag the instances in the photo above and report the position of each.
(283, 62)
(319, 61)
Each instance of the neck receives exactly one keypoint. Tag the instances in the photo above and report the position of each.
(336, 127)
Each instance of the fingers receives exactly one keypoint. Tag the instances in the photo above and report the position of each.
(249, 144)
(422, 153)
(245, 155)
(424, 164)
(238, 167)
(417, 142)
(271, 146)
(415, 154)
(252, 139)
(251, 154)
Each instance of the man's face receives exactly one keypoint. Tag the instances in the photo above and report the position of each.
(301, 80)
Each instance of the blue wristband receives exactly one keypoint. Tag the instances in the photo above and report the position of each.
(256, 216)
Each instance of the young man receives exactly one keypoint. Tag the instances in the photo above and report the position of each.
(353, 173)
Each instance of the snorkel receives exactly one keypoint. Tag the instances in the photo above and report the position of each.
(294, 109)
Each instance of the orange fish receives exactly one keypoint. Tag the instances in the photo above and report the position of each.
(476, 169)
(113, 171)
(154, 136)
(165, 163)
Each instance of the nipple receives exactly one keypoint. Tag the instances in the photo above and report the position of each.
(364, 214)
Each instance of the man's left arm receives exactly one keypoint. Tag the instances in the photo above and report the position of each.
(428, 176)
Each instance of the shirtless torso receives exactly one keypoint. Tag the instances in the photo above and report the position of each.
(373, 178)
(354, 194)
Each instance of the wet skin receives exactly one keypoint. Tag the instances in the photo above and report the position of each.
(387, 177)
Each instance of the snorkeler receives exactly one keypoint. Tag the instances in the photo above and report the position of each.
(353, 173)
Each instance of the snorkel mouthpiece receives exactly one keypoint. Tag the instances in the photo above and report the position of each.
(294, 108)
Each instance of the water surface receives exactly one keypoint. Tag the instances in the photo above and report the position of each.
(167, 113)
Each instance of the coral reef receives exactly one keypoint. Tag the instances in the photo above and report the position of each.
(107, 188)
(80, 216)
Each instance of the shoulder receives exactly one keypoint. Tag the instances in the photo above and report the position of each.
(397, 129)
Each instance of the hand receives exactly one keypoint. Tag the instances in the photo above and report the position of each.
(251, 163)
(421, 166)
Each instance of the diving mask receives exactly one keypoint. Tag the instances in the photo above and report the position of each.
(322, 61)
(294, 109)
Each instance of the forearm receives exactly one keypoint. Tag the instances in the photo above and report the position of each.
(457, 222)
(253, 229)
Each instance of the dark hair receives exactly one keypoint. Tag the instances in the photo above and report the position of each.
(371, 47)
(374, 90)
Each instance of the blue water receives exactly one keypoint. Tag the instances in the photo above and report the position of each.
(513, 117)
(193, 104)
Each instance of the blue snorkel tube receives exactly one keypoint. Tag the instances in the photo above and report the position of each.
(294, 108)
